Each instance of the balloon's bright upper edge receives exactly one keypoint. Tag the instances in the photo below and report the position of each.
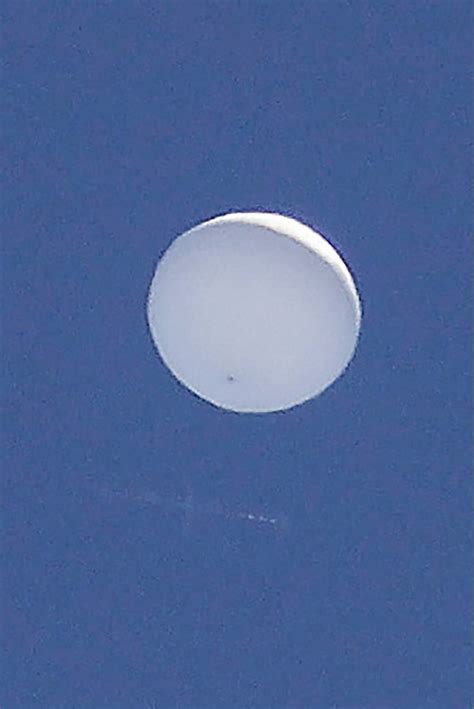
(293, 229)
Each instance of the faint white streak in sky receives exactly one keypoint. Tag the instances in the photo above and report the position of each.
(192, 508)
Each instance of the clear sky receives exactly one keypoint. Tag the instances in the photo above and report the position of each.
(126, 123)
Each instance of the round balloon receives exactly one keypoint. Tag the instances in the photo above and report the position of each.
(254, 312)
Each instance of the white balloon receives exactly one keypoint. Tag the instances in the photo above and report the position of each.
(254, 312)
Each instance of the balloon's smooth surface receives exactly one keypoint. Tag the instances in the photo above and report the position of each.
(254, 312)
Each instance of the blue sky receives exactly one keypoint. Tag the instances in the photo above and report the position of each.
(125, 124)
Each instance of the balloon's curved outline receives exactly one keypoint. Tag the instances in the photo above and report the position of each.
(290, 231)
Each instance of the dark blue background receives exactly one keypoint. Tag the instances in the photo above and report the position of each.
(127, 123)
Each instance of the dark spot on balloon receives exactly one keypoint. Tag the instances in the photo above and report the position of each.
(230, 378)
